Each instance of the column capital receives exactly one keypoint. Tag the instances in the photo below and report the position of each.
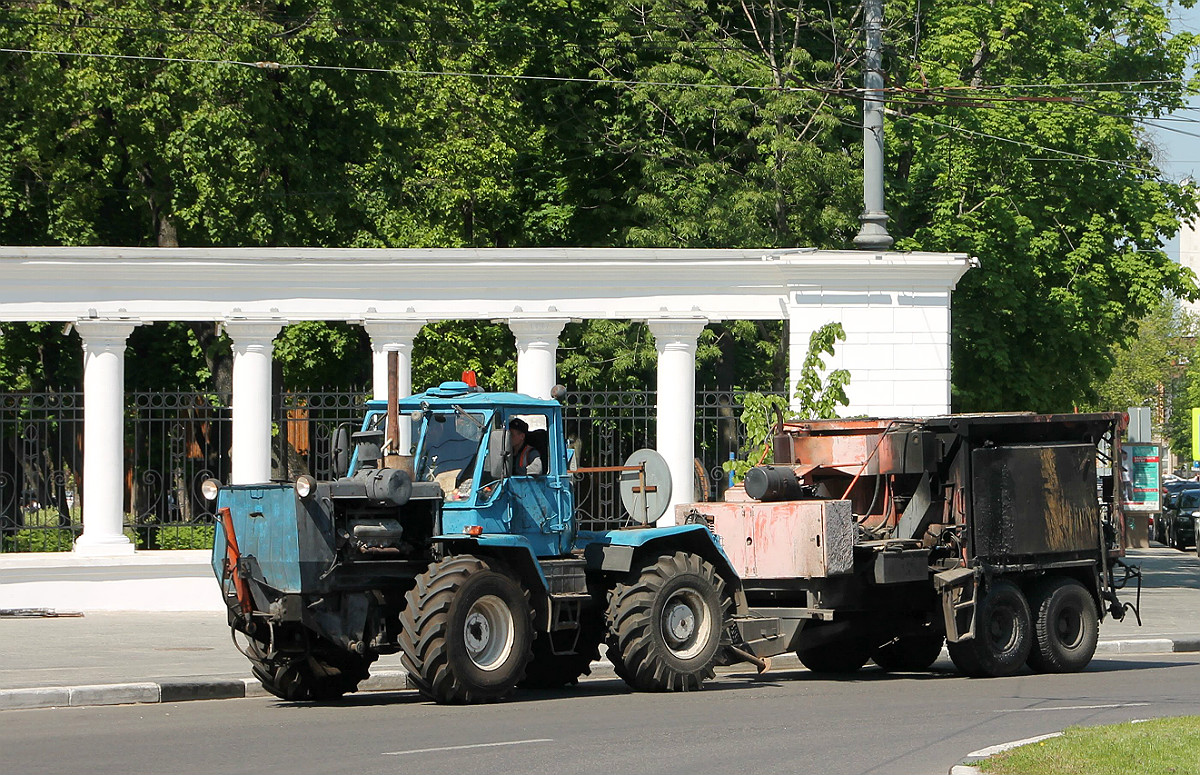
(104, 335)
(250, 334)
(529, 330)
(676, 333)
(390, 334)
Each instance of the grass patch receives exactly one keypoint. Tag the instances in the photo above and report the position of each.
(1160, 746)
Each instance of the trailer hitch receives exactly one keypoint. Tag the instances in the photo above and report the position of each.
(1116, 607)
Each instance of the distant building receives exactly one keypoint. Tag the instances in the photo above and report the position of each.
(1189, 256)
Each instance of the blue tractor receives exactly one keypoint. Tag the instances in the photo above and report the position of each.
(480, 578)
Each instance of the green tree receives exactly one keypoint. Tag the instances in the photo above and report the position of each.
(757, 153)
(1053, 186)
(217, 123)
(1151, 369)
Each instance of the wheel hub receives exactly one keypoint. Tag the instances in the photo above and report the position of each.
(681, 622)
(685, 624)
(488, 632)
(1069, 627)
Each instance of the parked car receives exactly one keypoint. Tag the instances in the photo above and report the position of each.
(1179, 521)
(1170, 495)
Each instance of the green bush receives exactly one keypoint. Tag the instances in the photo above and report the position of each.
(40, 540)
(185, 537)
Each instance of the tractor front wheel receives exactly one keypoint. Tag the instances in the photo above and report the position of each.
(325, 673)
(466, 632)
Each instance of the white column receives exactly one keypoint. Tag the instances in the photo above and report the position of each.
(537, 353)
(104, 437)
(393, 336)
(675, 341)
(387, 336)
(253, 345)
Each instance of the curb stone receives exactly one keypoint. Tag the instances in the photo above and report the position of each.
(225, 688)
(967, 767)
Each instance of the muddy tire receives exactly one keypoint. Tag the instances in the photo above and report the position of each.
(1066, 627)
(665, 624)
(822, 651)
(1003, 634)
(466, 632)
(909, 653)
(322, 675)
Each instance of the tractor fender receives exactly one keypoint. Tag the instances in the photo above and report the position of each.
(514, 554)
(620, 551)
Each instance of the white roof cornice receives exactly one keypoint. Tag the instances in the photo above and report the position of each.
(69, 283)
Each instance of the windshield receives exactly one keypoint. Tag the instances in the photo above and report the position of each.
(450, 448)
(1189, 500)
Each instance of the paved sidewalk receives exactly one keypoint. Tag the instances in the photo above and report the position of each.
(112, 657)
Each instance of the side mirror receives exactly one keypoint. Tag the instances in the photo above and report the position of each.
(341, 451)
(497, 454)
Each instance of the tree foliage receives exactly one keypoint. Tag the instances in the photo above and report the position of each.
(1013, 136)
(1155, 368)
(746, 158)
(1053, 187)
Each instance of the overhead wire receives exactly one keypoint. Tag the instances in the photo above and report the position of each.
(948, 96)
(1035, 146)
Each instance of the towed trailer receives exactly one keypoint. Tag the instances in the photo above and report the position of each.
(881, 539)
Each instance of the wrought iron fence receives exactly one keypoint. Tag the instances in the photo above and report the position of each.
(603, 428)
(41, 459)
(176, 440)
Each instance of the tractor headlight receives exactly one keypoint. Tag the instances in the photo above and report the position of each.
(209, 489)
(305, 486)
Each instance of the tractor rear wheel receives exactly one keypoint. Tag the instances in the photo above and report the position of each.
(665, 624)
(1003, 634)
(466, 632)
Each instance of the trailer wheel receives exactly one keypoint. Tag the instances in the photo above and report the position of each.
(466, 632)
(1003, 634)
(824, 649)
(548, 670)
(1066, 626)
(909, 653)
(664, 627)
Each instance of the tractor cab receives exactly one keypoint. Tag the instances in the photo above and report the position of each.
(458, 437)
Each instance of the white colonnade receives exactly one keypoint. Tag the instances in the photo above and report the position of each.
(894, 306)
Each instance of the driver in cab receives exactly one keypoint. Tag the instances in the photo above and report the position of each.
(526, 460)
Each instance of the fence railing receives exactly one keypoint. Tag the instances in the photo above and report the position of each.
(176, 440)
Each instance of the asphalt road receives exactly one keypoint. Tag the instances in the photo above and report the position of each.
(787, 722)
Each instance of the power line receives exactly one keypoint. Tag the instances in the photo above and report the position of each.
(1035, 146)
(265, 65)
(852, 92)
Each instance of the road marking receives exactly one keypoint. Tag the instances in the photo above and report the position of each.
(1076, 707)
(465, 747)
(995, 749)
